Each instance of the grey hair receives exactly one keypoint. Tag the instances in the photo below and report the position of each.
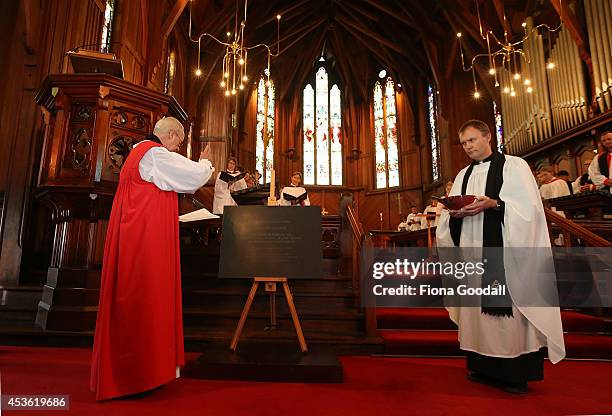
(166, 125)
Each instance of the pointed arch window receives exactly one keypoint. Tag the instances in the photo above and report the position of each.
(107, 28)
(322, 126)
(499, 130)
(385, 135)
(264, 145)
(434, 138)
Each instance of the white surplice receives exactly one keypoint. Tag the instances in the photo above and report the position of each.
(223, 192)
(595, 173)
(524, 225)
(170, 171)
(430, 209)
(412, 223)
(295, 191)
(556, 188)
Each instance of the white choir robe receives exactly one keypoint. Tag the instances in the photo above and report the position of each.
(595, 173)
(223, 192)
(576, 185)
(556, 188)
(170, 171)
(412, 223)
(524, 225)
(430, 209)
(295, 191)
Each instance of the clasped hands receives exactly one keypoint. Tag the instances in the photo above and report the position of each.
(480, 204)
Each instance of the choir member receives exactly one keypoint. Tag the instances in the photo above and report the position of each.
(228, 181)
(449, 186)
(504, 344)
(599, 170)
(294, 194)
(564, 176)
(433, 211)
(584, 183)
(552, 187)
(138, 342)
(413, 222)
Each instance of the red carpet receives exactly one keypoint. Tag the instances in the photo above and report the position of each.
(373, 386)
(429, 331)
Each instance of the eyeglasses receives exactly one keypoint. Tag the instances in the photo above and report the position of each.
(181, 139)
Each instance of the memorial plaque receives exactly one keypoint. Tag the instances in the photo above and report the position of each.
(262, 241)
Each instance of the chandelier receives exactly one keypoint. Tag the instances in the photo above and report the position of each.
(234, 67)
(506, 55)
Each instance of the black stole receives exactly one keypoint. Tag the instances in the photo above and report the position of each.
(603, 164)
(492, 235)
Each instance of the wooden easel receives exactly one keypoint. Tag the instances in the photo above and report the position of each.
(270, 287)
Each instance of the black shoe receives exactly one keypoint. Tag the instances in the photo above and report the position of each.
(520, 388)
(482, 379)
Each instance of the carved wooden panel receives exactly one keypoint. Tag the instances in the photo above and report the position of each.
(76, 159)
(127, 127)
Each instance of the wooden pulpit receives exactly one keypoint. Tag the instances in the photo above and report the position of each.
(91, 123)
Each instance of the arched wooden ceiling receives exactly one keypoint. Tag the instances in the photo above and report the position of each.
(408, 38)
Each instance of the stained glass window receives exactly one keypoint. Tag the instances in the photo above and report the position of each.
(385, 135)
(264, 144)
(107, 28)
(499, 130)
(322, 123)
(433, 132)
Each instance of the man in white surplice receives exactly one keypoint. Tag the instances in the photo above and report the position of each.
(170, 171)
(503, 349)
(413, 221)
(599, 169)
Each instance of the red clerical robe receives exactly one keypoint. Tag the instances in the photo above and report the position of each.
(138, 342)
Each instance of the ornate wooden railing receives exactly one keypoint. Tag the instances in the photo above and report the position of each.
(360, 240)
(572, 231)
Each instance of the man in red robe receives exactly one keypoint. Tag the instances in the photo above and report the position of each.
(138, 343)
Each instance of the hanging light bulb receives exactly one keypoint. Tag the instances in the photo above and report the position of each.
(245, 78)
(527, 81)
(458, 34)
(492, 71)
(227, 92)
(233, 91)
(198, 72)
(529, 90)
(551, 65)
(517, 76)
(278, 17)
(222, 84)
(229, 34)
(226, 75)
(476, 94)
(241, 61)
(512, 93)
(241, 86)
(506, 90)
